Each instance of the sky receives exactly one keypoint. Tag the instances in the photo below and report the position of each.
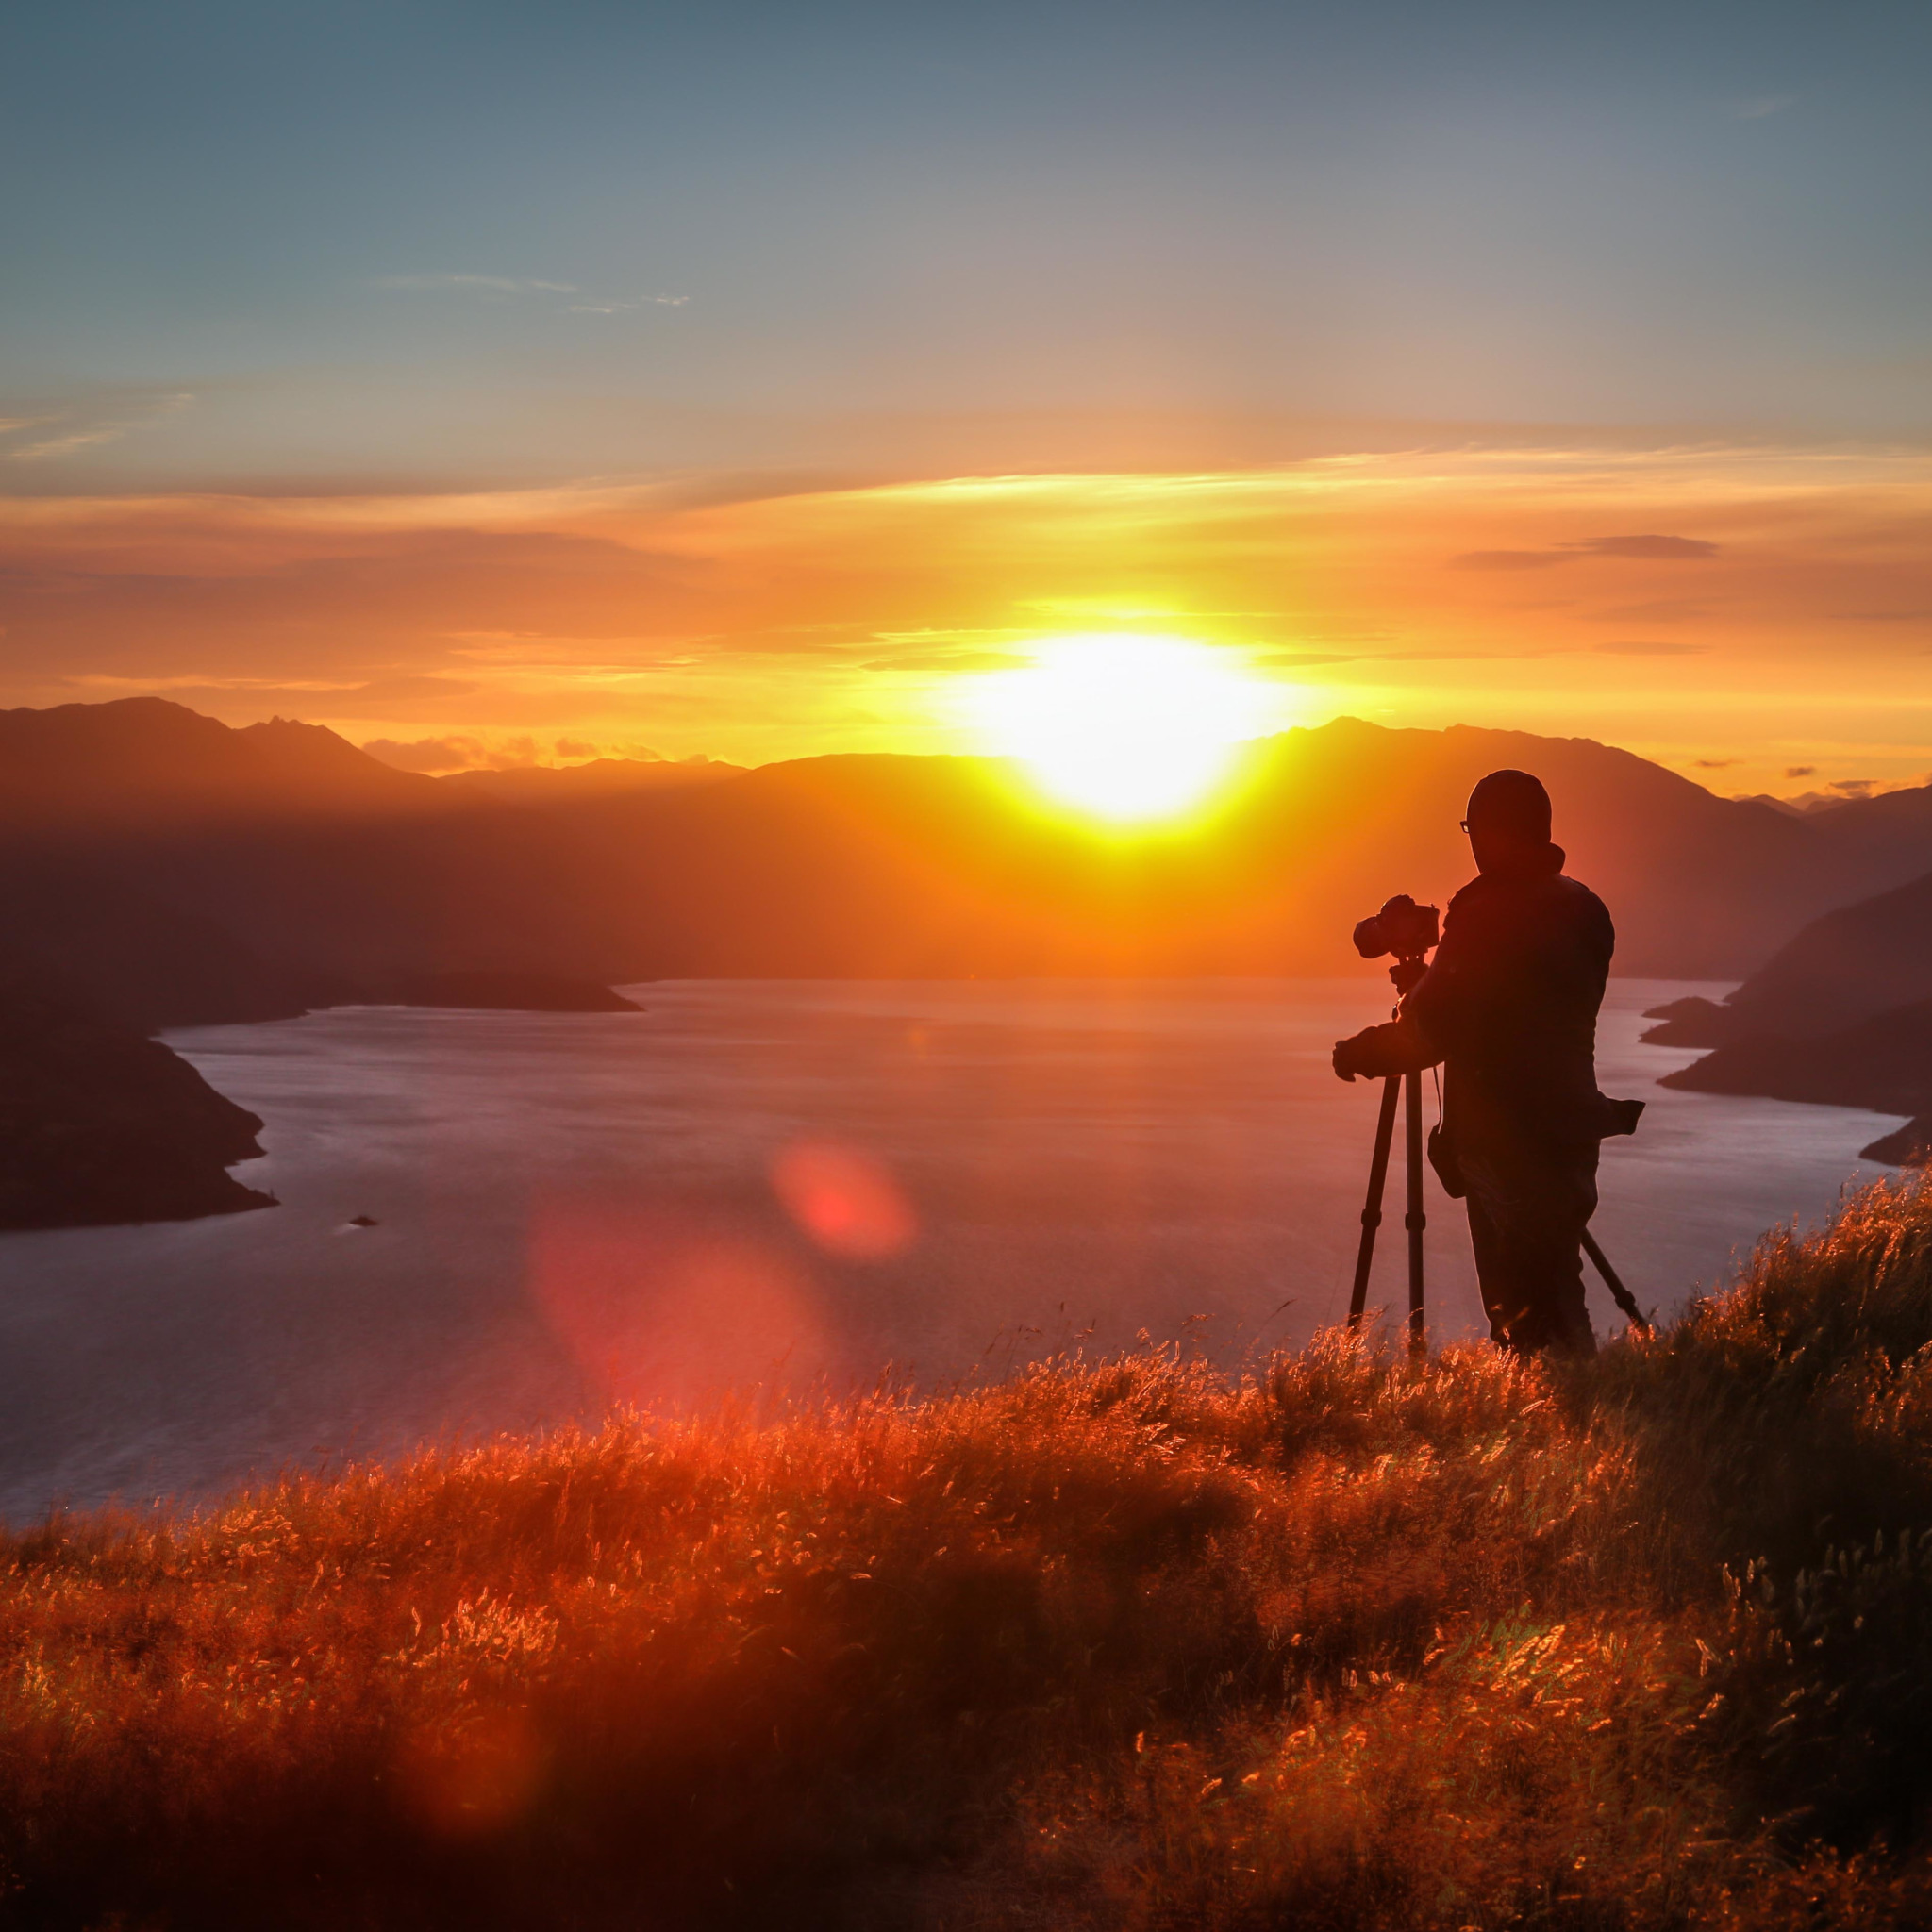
(494, 382)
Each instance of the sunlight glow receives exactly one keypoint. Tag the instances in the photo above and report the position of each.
(1127, 726)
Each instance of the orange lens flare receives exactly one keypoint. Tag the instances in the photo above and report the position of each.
(844, 1200)
(658, 1305)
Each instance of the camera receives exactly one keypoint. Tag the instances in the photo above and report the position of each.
(1401, 928)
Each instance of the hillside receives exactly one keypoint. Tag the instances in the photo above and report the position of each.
(1342, 1642)
(1883, 1062)
(98, 1124)
(276, 867)
(1841, 1015)
(1851, 963)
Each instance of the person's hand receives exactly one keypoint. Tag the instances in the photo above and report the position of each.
(1377, 1052)
(1348, 1057)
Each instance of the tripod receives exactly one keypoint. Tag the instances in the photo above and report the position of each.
(1405, 973)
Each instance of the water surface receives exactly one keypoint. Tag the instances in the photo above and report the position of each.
(578, 1208)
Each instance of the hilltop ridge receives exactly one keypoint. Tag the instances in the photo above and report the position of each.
(276, 867)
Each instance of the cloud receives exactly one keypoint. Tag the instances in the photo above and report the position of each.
(497, 288)
(489, 285)
(1761, 107)
(626, 308)
(1649, 647)
(632, 607)
(461, 752)
(1713, 764)
(1801, 771)
(75, 428)
(1653, 549)
(1647, 549)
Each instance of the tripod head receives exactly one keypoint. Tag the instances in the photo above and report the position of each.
(1406, 972)
(1405, 929)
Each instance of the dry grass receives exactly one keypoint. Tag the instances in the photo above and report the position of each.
(1341, 1644)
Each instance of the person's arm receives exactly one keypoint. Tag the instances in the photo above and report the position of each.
(1375, 1052)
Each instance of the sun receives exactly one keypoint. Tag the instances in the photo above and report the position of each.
(1128, 727)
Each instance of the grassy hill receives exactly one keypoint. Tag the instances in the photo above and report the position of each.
(1341, 1643)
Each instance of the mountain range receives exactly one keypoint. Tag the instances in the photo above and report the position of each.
(175, 869)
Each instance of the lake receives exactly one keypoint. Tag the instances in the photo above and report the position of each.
(768, 1184)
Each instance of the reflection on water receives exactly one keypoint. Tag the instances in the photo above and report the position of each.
(766, 1182)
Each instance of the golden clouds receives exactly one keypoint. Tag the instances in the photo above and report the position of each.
(1763, 606)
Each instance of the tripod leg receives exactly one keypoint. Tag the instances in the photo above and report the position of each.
(1415, 1221)
(1371, 1213)
(1619, 1293)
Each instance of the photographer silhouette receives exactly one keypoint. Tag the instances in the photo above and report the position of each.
(1509, 1006)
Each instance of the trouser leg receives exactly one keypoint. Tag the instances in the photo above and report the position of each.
(1527, 1217)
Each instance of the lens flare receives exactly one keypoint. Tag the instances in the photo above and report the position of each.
(667, 1304)
(844, 1200)
(1128, 727)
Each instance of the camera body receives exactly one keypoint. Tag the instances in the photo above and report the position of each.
(1401, 928)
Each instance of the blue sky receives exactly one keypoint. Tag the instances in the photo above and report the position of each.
(282, 246)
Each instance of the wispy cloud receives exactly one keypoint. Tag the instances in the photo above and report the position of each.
(1656, 549)
(1642, 548)
(626, 308)
(463, 752)
(77, 428)
(1760, 107)
(619, 608)
(488, 285)
(509, 288)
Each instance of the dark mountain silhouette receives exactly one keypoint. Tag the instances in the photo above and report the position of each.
(99, 1125)
(142, 762)
(1883, 1062)
(1841, 1015)
(1843, 967)
(879, 865)
(183, 871)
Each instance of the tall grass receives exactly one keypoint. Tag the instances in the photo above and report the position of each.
(1340, 1642)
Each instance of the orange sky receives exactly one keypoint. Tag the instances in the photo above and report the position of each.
(1783, 621)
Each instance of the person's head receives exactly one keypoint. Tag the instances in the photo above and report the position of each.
(1508, 823)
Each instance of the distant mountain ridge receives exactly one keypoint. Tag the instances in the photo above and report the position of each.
(177, 869)
(597, 777)
(1841, 1015)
